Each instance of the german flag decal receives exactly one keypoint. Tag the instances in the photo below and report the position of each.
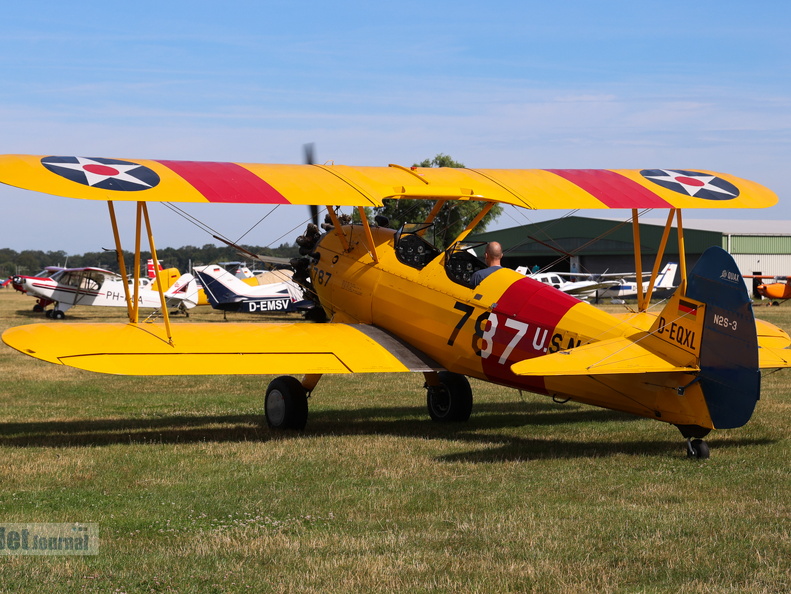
(687, 308)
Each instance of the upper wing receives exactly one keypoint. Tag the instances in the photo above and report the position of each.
(218, 349)
(189, 181)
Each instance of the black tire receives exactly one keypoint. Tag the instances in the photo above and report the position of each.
(38, 308)
(699, 449)
(58, 315)
(286, 404)
(451, 401)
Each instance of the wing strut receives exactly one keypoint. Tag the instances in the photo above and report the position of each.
(644, 297)
(121, 264)
(369, 238)
(165, 316)
(132, 302)
(660, 253)
(682, 256)
(473, 223)
(638, 261)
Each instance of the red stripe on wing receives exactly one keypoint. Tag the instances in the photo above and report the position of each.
(613, 189)
(226, 182)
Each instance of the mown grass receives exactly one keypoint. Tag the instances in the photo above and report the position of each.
(193, 494)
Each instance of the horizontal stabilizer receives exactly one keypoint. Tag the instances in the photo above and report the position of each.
(218, 349)
(616, 355)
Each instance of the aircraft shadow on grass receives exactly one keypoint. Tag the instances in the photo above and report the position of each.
(483, 431)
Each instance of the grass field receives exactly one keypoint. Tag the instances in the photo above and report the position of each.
(193, 494)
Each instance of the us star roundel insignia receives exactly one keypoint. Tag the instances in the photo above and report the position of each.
(692, 183)
(107, 174)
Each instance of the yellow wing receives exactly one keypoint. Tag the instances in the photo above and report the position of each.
(218, 349)
(189, 181)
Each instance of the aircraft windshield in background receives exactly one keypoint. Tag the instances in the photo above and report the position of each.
(397, 303)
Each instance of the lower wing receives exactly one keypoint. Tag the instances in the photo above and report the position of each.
(219, 349)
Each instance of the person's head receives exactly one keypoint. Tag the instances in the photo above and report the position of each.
(493, 253)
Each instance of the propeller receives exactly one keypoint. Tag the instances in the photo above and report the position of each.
(310, 159)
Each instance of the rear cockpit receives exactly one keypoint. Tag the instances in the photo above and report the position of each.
(461, 262)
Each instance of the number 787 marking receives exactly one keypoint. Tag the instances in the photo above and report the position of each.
(521, 330)
(488, 334)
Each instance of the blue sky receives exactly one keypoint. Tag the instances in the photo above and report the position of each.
(574, 84)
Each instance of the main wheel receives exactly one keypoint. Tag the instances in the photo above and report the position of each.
(286, 404)
(451, 400)
(58, 315)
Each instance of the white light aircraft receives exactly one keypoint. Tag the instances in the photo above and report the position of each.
(628, 288)
(580, 289)
(68, 287)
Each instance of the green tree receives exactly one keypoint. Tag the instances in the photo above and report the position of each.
(450, 221)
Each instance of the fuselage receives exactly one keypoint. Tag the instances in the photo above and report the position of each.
(92, 286)
(778, 290)
(481, 331)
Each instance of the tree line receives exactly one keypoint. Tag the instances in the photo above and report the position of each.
(29, 262)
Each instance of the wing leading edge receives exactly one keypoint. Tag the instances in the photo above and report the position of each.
(190, 181)
(213, 349)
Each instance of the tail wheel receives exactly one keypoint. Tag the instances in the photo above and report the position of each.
(697, 448)
(451, 400)
(286, 404)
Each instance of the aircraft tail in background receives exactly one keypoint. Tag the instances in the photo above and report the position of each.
(150, 273)
(225, 291)
(666, 278)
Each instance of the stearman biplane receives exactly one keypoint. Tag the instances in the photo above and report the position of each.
(397, 303)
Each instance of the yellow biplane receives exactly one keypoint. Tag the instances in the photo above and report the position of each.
(397, 303)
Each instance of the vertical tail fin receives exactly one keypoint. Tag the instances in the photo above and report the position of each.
(667, 277)
(222, 288)
(714, 323)
(150, 268)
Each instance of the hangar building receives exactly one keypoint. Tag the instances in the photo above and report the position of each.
(597, 245)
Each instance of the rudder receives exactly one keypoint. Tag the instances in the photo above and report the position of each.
(729, 373)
